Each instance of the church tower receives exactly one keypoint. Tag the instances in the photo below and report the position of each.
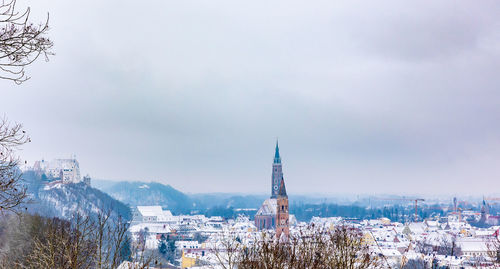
(282, 215)
(277, 173)
(267, 216)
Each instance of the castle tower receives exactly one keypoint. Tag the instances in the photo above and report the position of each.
(277, 173)
(282, 215)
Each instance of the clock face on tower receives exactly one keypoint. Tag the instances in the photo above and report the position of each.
(276, 187)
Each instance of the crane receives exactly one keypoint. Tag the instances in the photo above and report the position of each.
(415, 200)
(457, 203)
(459, 213)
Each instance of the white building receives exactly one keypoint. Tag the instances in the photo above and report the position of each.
(67, 170)
(151, 214)
(475, 247)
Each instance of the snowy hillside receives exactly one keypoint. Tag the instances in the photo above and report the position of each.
(150, 193)
(153, 193)
(64, 200)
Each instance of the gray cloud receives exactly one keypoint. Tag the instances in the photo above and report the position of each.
(365, 97)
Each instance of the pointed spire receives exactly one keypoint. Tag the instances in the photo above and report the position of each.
(277, 158)
(282, 191)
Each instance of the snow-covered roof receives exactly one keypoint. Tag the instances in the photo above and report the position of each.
(388, 252)
(484, 233)
(154, 211)
(432, 223)
(150, 211)
(473, 245)
(268, 207)
(417, 227)
(243, 226)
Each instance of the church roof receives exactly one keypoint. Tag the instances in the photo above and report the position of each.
(282, 191)
(268, 208)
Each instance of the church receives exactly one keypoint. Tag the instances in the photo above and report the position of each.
(274, 214)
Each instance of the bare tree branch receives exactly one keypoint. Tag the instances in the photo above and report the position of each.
(12, 191)
(310, 248)
(21, 42)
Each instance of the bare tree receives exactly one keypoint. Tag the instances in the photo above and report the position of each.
(310, 248)
(493, 251)
(12, 191)
(227, 251)
(348, 251)
(63, 245)
(111, 238)
(424, 246)
(143, 258)
(21, 42)
(449, 246)
(82, 243)
(267, 252)
(415, 264)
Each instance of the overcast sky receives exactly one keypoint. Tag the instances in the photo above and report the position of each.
(365, 96)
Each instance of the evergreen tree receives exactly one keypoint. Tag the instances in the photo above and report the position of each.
(162, 247)
(125, 250)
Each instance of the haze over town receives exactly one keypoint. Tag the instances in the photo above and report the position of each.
(390, 98)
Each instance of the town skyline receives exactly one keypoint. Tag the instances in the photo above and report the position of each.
(275, 174)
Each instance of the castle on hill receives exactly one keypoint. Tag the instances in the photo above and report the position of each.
(274, 212)
(64, 170)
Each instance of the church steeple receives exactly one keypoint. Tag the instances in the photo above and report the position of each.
(277, 174)
(282, 192)
(277, 158)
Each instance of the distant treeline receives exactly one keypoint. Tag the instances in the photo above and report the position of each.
(305, 212)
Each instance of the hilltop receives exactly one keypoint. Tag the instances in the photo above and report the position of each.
(63, 200)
